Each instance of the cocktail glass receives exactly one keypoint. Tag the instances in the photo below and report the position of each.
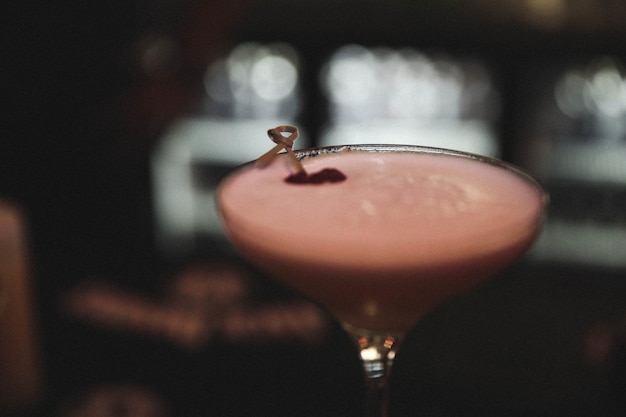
(410, 228)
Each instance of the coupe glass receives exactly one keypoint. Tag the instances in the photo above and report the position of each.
(410, 228)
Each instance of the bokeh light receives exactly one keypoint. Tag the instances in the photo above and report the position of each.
(424, 99)
(254, 81)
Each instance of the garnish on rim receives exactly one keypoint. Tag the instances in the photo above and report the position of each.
(282, 142)
(299, 175)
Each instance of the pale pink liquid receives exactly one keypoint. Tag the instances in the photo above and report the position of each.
(405, 232)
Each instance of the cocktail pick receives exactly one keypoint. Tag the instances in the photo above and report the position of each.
(282, 142)
(299, 174)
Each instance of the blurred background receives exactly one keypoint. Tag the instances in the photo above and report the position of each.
(120, 118)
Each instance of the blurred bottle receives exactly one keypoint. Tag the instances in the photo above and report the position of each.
(20, 370)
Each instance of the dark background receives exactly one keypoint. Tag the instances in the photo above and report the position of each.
(80, 119)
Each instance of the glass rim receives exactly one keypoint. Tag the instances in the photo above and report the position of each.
(314, 151)
(499, 163)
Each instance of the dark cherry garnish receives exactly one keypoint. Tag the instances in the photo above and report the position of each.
(300, 177)
(325, 175)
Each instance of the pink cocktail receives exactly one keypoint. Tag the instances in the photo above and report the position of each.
(410, 228)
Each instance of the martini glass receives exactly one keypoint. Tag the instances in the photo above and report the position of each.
(408, 229)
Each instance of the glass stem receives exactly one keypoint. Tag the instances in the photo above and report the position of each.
(377, 352)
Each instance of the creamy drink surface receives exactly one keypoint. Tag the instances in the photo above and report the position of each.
(403, 232)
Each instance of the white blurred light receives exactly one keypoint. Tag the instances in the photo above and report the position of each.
(437, 101)
(414, 91)
(596, 91)
(238, 63)
(362, 83)
(216, 83)
(350, 77)
(273, 77)
(255, 81)
(604, 92)
(569, 94)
